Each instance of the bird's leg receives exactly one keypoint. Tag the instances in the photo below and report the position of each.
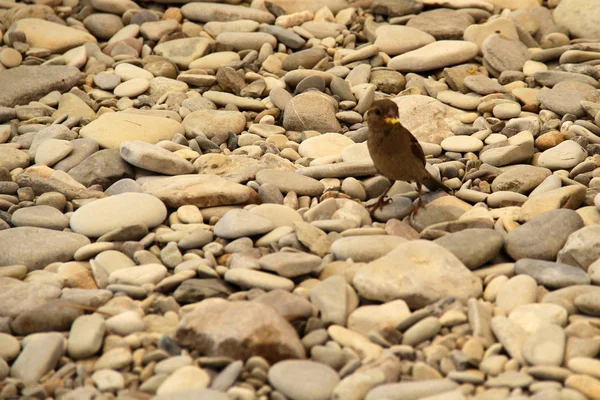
(381, 201)
(420, 203)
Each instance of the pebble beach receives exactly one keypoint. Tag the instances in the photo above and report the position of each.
(183, 193)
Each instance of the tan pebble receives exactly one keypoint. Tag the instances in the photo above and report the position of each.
(10, 58)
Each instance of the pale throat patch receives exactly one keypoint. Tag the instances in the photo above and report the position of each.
(389, 120)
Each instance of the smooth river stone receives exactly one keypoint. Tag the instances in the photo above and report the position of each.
(38, 247)
(365, 248)
(419, 272)
(11, 157)
(434, 55)
(301, 379)
(214, 122)
(101, 216)
(197, 190)
(153, 158)
(239, 329)
(288, 181)
(50, 35)
(29, 83)
(462, 144)
(206, 12)
(112, 129)
(399, 39)
(183, 51)
(565, 155)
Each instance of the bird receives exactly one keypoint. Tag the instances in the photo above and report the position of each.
(396, 153)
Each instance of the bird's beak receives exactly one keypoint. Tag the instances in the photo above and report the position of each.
(391, 119)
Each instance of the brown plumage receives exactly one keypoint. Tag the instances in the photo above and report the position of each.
(396, 152)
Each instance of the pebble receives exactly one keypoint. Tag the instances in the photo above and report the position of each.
(565, 155)
(102, 216)
(290, 378)
(522, 242)
(435, 55)
(109, 132)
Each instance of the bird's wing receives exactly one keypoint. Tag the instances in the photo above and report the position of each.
(416, 148)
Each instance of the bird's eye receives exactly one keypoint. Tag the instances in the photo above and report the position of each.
(377, 112)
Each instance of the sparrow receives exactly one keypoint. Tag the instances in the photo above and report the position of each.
(396, 153)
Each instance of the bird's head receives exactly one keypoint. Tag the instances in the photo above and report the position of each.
(383, 112)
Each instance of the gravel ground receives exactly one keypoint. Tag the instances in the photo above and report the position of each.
(183, 192)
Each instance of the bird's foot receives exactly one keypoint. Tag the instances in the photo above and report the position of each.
(417, 207)
(378, 205)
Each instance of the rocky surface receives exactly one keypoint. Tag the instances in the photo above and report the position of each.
(183, 192)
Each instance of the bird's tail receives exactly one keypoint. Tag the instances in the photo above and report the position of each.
(433, 184)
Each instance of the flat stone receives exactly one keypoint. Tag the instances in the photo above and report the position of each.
(504, 54)
(412, 266)
(29, 83)
(443, 24)
(373, 317)
(311, 111)
(188, 377)
(239, 223)
(86, 336)
(38, 247)
(399, 39)
(518, 290)
(562, 101)
(532, 316)
(154, 158)
(288, 305)
(101, 216)
(568, 197)
(40, 354)
(477, 33)
(18, 297)
(365, 248)
(525, 242)
(520, 178)
(197, 190)
(474, 247)
(581, 248)
(104, 167)
(224, 12)
(214, 122)
(278, 214)
(290, 264)
(550, 274)
(287, 181)
(11, 157)
(578, 17)
(50, 35)
(519, 149)
(435, 55)
(411, 390)
(462, 144)
(40, 216)
(112, 129)
(291, 376)
(239, 330)
(565, 155)
(565, 297)
(183, 51)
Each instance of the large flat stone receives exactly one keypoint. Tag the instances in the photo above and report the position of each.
(30, 83)
(38, 247)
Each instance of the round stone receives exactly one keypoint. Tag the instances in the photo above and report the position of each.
(462, 144)
(101, 216)
(132, 88)
(303, 380)
(10, 58)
